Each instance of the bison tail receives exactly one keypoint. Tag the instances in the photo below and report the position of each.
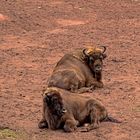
(111, 119)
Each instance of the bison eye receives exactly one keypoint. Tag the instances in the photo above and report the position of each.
(101, 57)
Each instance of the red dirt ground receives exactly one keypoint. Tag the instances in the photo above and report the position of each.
(35, 34)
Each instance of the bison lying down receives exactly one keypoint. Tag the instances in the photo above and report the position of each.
(79, 71)
(61, 109)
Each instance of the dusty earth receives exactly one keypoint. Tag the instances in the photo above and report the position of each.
(35, 34)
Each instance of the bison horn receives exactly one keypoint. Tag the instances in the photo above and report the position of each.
(104, 48)
(64, 110)
(84, 52)
(48, 94)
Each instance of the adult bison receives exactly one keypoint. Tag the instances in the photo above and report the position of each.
(63, 110)
(79, 71)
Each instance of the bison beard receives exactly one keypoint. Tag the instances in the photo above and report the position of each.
(61, 109)
(79, 71)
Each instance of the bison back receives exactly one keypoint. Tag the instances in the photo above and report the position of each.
(66, 79)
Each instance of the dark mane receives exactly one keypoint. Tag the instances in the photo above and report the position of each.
(54, 105)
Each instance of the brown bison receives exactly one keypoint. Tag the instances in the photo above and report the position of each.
(61, 109)
(79, 71)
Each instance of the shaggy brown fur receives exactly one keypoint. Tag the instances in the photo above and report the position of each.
(62, 109)
(79, 71)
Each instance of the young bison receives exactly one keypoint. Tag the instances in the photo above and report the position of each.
(79, 71)
(61, 109)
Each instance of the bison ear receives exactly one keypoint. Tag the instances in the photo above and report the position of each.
(104, 56)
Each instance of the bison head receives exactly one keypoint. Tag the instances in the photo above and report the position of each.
(94, 58)
(54, 103)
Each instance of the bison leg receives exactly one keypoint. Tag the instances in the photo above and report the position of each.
(43, 124)
(94, 120)
(98, 76)
(73, 88)
(84, 89)
(93, 84)
(98, 84)
(70, 125)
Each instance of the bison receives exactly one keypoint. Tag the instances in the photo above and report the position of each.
(79, 71)
(63, 110)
